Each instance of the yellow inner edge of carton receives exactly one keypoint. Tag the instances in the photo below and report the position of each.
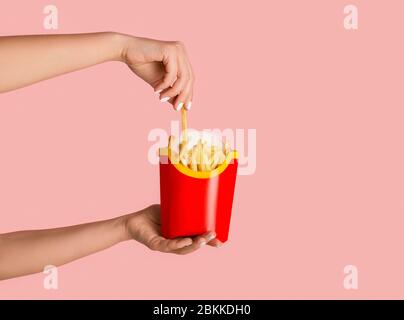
(200, 174)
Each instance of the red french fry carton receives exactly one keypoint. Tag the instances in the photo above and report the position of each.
(193, 203)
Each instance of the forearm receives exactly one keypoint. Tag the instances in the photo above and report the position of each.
(27, 252)
(29, 59)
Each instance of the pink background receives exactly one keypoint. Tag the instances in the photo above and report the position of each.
(328, 108)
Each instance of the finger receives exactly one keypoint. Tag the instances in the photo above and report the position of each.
(215, 243)
(178, 89)
(183, 98)
(168, 245)
(185, 83)
(179, 243)
(171, 69)
(188, 101)
(198, 243)
(209, 236)
(170, 100)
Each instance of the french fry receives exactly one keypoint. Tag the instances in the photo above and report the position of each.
(198, 153)
(194, 160)
(199, 157)
(222, 157)
(184, 123)
(205, 162)
(183, 154)
(173, 155)
(215, 160)
(226, 147)
(184, 161)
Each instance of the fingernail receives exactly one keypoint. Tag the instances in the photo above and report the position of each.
(218, 245)
(212, 236)
(158, 91)
(165, 99)
(188, 106)
(179, 106)
(202, 243)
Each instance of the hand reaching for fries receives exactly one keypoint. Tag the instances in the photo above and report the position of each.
(164, 65)
(144, 227)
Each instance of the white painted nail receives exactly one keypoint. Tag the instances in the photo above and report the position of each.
(165, 99)
(212, 236)
(188, 106)
(158, 91)
(201, 244)
(179, 106)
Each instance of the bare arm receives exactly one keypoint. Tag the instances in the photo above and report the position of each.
(162, 64)
(26, 252)
(29, 59)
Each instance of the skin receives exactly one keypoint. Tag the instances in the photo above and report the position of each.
(162, 64)
(165, 66)
(26, 252)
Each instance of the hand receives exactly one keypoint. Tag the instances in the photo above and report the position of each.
(144, 226)
(164, 65)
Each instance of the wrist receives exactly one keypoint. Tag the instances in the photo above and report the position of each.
(118, 42)
(124, 227)
(129, 226)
